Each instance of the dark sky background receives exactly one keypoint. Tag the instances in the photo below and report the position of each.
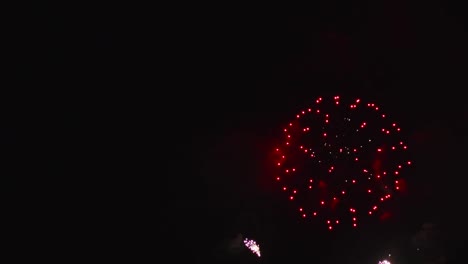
(194, 100)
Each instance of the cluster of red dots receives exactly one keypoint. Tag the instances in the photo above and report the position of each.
(340, 158)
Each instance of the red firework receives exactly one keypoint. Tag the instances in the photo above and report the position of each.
(341, 158)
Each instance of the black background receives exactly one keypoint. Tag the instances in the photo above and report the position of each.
(155, 124)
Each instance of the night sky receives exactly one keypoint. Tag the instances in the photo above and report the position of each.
(195, 100)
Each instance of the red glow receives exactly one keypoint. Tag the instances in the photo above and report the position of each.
(385, 216)
(322, 184)
(322, 145)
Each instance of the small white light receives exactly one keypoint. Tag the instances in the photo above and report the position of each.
(253, 246)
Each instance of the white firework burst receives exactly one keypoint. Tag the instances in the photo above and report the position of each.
(254, 247)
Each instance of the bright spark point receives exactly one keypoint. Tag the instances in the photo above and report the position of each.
(255, 248)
